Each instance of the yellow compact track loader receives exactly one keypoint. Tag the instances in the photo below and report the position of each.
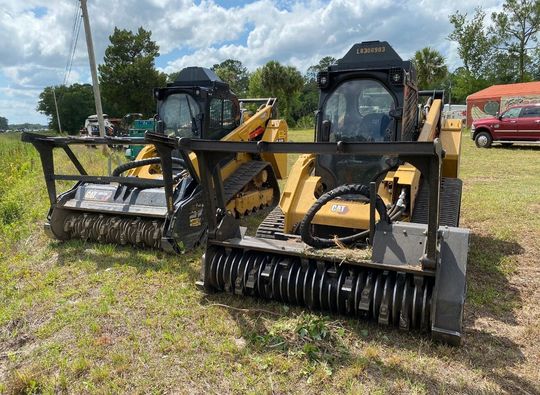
(368, 221)
(130, 206)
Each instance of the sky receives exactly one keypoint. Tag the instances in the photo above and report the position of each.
(36, 36)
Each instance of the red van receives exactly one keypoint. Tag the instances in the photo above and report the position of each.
(518, 124)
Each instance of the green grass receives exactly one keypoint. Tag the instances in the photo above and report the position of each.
(87, 318)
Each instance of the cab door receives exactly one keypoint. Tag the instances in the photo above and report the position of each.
(529, 123)
(507, 127)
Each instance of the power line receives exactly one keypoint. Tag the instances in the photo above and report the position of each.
(75, 29)
(74, 39)
(74, 50)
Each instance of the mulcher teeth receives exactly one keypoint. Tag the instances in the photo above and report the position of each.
(113, 229)
(390, 298)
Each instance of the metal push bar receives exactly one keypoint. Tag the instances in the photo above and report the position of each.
(425, 156)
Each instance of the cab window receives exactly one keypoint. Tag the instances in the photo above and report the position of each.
(530, 112)
(178, 113)
(221, 118)
(228, 117)
(512, 113)
(358, 110)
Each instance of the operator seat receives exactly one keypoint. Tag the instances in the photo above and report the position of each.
(377, 124)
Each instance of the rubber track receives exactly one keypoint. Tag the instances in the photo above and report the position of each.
(449, 206)
(273, 224)
(241, 177)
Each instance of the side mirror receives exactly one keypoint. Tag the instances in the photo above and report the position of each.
(160, 126)
(500, 117)
(194, 128)
(325, 130)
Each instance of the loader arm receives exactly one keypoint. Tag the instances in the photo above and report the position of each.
(259, 127)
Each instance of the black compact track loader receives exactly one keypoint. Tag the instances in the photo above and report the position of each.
(130, 206)
(368, 221)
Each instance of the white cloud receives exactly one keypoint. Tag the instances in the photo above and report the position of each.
(35, 45)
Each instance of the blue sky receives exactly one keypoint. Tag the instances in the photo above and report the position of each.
(36, 35)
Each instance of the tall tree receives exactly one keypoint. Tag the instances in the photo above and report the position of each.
(305, 104)
(323, 64)
(430, 68)
(517, 28)
(3, 123)
(462, 83)
(536, 65)
(503, 68)
(283, 82)
(255, 88)
(128, 74)
(233, 73)
(75, 103)
(475, 45)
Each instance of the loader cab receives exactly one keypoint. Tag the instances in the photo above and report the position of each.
(197, 105)
(369, 96)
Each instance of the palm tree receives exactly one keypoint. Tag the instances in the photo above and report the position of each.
(430, 68)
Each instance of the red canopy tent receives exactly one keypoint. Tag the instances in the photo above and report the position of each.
(498, 98)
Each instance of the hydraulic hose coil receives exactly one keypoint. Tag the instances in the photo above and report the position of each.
(143, 162)
(351, 189)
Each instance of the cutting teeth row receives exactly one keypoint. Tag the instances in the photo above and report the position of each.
(388, 297)
(110, 229)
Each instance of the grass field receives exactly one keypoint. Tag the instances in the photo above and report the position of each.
(85, 318)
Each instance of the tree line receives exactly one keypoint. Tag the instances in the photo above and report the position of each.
(128, 75)
(4, 123)
(496, 49)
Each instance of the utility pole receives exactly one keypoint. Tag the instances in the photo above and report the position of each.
(57, 113)
(450, 96)
(93, 68)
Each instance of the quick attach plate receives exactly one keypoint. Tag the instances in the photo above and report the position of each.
(399, 243)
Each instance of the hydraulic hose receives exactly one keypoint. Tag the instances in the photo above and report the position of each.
(143, 162)
(320, 242)
(396, 216)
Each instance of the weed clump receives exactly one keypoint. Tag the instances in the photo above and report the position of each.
(309, 336)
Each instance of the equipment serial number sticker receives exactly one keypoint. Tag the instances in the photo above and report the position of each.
(339, 208)
(363, 51)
